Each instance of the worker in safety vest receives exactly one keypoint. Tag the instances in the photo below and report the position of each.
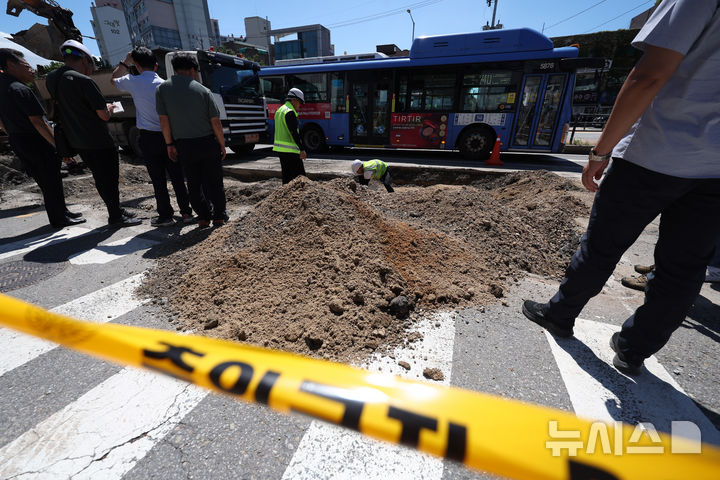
(376, 169)
(288, 143)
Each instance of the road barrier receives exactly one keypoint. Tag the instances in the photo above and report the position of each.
(484, 432)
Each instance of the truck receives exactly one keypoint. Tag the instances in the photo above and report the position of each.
(235, 85)
(233, 80)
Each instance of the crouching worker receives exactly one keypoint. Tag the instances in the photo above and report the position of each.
(376, 169)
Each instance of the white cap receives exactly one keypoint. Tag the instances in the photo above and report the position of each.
(356, 164)
(73, 47)
(296, 93)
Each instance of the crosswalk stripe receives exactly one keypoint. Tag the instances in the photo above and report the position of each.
(20, 247)
(329, 452)
(105, 432)
(100, 306)
(111, 251)
(598, 391)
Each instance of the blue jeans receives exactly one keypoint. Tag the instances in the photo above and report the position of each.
(629, 199)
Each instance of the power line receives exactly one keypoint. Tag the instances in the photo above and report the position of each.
(575, 15)
(387, 13)
(622, 14)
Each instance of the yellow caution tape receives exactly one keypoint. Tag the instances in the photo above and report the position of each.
(485, 432)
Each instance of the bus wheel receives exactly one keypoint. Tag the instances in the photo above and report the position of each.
(476, 143)
(313, 139)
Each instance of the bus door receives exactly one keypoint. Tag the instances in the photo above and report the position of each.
(370, 102)
(536, 123)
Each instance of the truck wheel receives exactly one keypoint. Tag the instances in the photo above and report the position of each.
(244, 149)
(134, 141)
(313, 139)
(476, 143)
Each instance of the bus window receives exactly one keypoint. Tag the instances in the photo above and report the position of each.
(402, 105)
(432, 92)
(274, 88)
(313, 85)
(488, 92)
(337, 92)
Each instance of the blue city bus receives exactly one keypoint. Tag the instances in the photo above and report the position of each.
(459, 91)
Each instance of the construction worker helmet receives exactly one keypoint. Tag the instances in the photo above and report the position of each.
(356, 164)
(73, 47)
(296, 94)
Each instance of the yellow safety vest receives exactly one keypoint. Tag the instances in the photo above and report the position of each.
(283, 139)
(378, 167)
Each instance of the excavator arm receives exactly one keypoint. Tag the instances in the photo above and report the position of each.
(41, 39)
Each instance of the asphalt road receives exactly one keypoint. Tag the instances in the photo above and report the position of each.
(65, 415)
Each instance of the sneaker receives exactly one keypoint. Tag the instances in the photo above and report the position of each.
(162, 222)
(644, 269)
(188, 218)
(124, 221)
(636, 283)
(621, 361)
(712, 274)
(535, 312)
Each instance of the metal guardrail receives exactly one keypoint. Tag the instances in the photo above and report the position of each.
(587, 120)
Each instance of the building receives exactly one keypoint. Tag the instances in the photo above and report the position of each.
(312, 41)
(183, 24)
(257, 32)
(111, 30)
(392, 50)
(215, 32)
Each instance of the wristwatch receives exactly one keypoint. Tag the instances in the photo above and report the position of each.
(594, 157)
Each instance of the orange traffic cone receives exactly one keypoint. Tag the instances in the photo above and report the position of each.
(494, 160)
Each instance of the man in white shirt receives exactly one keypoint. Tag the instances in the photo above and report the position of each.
(664, 139)
(152, 144)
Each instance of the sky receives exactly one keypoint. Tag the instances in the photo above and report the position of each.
(358, 26)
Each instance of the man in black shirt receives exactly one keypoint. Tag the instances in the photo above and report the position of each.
(83, 113)
(31, 138)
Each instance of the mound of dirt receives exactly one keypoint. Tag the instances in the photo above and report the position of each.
(11, 171)
(333, 269)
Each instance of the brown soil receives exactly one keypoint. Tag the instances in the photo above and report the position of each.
(336, 270)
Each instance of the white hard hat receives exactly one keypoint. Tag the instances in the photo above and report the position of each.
(296, 93)
(73, 47)
(356, 164)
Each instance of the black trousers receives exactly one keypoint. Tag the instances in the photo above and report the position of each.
(291, 166)
(201, 160)
(154, 151)
(105, 167)
(40, 159)
(630, 198)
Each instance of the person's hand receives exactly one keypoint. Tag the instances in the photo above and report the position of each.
(303, 155)
(128, 59)
(223, 151)
(172, 153)
(593, 171)
(68, 160)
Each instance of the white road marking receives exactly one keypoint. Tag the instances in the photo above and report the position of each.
(599, 392)
(100, 306)
(21, 247)
(330, 452)
(111, 251)
(105, 432)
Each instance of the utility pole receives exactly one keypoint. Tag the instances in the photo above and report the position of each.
(493, 26)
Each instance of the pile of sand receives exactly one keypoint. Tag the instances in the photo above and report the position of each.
(333, 268)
